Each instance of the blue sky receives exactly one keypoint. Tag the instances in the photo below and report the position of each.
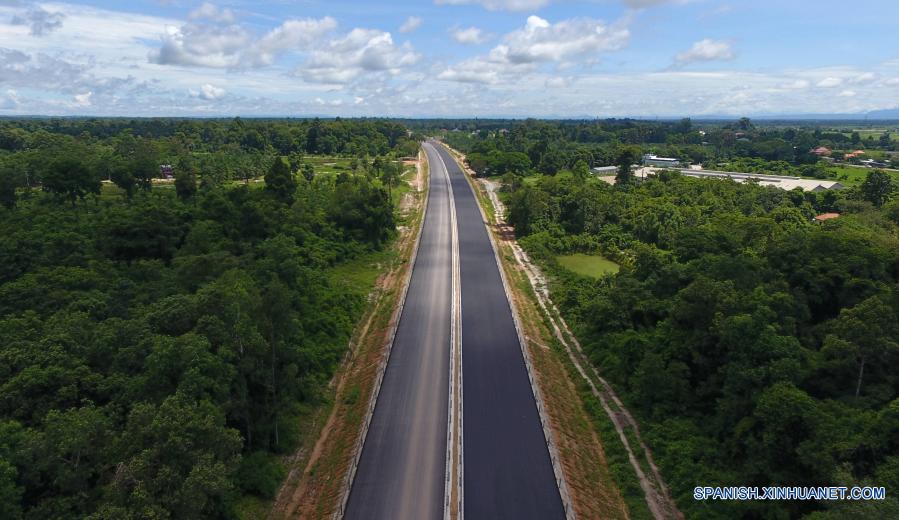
(448, 58)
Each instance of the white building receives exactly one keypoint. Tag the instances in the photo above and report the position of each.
(661, 162)
(778, 181)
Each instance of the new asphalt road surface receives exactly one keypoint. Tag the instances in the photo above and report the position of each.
(507, 470)
(401, 473)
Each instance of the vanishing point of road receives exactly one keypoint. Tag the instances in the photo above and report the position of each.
(506, 468)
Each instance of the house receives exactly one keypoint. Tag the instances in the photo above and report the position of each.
(663, 162)
(605, 170)
(820, 151)
(826, 216)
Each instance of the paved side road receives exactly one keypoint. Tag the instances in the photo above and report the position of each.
(507, 470)
(401, 472)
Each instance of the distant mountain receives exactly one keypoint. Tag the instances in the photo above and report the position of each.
(890, 113)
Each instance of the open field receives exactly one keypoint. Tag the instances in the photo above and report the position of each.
(594, 266)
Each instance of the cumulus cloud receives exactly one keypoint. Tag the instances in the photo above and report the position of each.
(10, 100)
(232, 46)
(412, 23)
(706, 50)
(847, 93)
(208, 92)
(209, 11)
(539, 41)
(799, 84)
(830, 82)
(499, 5)
(863, 78)
(469, 35)
(362, 50)
(83, 100)
(39, 21)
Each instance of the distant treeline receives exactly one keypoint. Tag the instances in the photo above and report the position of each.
(548, 147)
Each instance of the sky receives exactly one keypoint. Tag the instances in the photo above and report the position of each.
(448, 58)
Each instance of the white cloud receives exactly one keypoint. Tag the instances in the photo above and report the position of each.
(847, 93)
(863, 78)
(641, 4)
(830, 82)
(83, 100)
(499, 5)
(469, 35)
(10, 100)
(232, 46)
(706, 50)
(209, 92)
(412, 23)
(539, 41)
(362, 50)
(798, 84)
(39, 21)
(892, 82)
(209, 11)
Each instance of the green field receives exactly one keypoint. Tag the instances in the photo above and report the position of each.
(594, 266)
(855, 175)
(864, 133)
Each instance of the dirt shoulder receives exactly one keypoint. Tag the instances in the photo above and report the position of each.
(563, 374)
(319, 475)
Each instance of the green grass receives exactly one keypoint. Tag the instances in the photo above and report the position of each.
(594, 266)
(855, 175)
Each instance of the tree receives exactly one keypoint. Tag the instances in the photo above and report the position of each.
(280, 182)
(626, 157)
(581, 171)
(390, 175)
(185, 179)
(877, 187)
(309, 171)
(871, 328)
(70, 178)
(9, 181)
(120, 174)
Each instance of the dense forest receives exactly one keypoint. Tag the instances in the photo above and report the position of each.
(757, 346)
(159, 344)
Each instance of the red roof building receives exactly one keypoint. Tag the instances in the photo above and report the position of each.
(826, 216)
(821, 150)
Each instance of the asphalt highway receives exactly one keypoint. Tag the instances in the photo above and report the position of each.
(507, 470)
(401, 473)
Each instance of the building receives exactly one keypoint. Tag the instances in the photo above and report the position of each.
(662, 162)
(820, 151)
(605, 170)
(166, 171)
(783, 182)
(826, 216)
